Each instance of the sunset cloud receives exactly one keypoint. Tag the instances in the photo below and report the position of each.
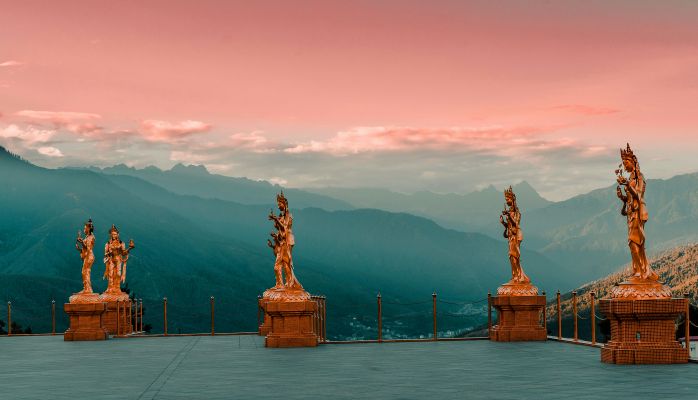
(50, 151)
(253, 141)
(410, 159)
(10, 63)
(162, 131)
(28, 135)
(406, 139)
(76, 122)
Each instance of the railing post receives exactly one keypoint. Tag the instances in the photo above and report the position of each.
(316, 315)
(164, 314)
(489, 314)
(127, 322)
(324, 318)
(53, 317)
(9, 318)
(380, 319)
(133, 305)
(433, 300)
(130, 313)
(593, 318)
(213, 331)
(118, 317)
(545, 314)
(559, 317)
(687, 335)
(141, 330)
(574, 310)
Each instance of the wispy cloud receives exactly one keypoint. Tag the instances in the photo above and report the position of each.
(586, 109)
(163, 131)
(76, 122)
(10, 63)
(495, 139)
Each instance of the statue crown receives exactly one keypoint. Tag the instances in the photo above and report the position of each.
(280, 197)
(627, 154)
(113, 229)
(509, 194)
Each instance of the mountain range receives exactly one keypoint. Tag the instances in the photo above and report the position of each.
(189, 248)
(199, 234)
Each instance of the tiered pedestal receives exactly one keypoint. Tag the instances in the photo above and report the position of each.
(110, 317)
(519, 318)
(265, 328)
(643, 331)
(86, 321)
(291, 323)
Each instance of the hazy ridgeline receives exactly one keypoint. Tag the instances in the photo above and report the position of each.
(199, 235)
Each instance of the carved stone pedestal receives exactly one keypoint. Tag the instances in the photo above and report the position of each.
(519, 318)
(85, 321)
(643, 331)
(110, 318)
(291, 323)
(265, 328)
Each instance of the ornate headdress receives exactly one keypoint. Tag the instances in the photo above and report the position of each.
(281, 198)
(509, 194)
(628, 154)
(90, 225)
(113, 229)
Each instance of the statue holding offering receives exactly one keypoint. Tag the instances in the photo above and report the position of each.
(520, 283)
(511, 220)
(287, 286)
(644, 282)
(631, 192)
(115, 260)
(85, 246)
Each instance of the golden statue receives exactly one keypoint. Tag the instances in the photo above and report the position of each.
(520, 284)
(644, 282)
(282, 245)
(85, 245)
(115, 260)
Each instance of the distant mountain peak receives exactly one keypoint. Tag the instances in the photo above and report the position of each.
(189, 169)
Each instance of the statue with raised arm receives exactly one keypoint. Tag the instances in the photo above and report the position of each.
(520, 283)
(631, 192)
(85, 246)
(115, 260)
(287, 285)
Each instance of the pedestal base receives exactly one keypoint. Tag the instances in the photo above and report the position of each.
(519, 318)
(291, 324)
(110, 318)
(265, 328)
(85, 321)
(643, 331)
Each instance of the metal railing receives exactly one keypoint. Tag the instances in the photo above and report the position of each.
(130, 319)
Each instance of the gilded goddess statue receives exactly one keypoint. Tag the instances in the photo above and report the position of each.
(520, 283)
(282, 242)
(644, 282)
(85, 246)
(115, 260)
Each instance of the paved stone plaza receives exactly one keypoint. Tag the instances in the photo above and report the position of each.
(239, 367)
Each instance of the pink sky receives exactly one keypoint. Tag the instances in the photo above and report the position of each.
(300, 92)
